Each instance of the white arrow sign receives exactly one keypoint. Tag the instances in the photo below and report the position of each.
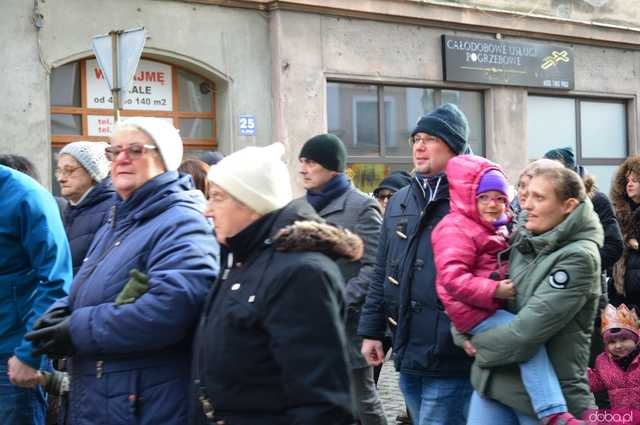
(128, 49)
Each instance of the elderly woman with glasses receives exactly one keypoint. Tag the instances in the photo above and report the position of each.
(82, 173)
(128, 321)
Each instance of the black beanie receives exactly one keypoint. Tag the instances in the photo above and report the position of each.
(211, 157)
(448, 123)
(394, 181)
(327, 150)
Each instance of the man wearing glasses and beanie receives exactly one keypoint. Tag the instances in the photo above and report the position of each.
(434, 374)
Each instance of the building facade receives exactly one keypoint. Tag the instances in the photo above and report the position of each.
(236, 73)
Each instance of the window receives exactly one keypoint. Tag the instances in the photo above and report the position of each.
(596, 129)
(375, 123)
(81, 106)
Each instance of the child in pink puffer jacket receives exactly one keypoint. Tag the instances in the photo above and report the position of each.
(472, 283)
(617, 370)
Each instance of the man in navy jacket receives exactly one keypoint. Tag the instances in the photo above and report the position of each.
(434, 374)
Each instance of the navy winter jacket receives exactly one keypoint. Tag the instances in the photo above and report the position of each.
(132, 362)
(82, 221)
(403, 290)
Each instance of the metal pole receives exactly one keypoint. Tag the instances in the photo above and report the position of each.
(115, 91)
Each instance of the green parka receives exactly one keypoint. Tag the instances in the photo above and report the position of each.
(557, 276)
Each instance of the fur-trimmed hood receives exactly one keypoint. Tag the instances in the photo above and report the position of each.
(628, 216)
(296, 227)
(320, 237)
(627, 213)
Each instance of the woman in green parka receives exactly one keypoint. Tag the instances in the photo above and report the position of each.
(555, 265)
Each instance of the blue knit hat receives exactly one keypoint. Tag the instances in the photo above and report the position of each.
(567, 158)
(564, 155)
(447, 123)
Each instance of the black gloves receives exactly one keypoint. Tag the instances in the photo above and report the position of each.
(51, 317)
(54, 340)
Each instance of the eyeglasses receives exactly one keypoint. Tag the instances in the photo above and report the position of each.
(425, 140)
(66, 171)
(498, 200)
(384, 195)
(133, 151)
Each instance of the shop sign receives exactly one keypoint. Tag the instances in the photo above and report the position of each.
(101, 125)
(489, 61)
(150, 88)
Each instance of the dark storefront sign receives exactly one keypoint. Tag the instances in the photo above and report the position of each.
(488, 61)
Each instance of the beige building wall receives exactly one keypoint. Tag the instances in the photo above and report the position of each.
(272, 59)
(397, 53)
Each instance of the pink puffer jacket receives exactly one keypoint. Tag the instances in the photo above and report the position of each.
(466, 248)
(623, 386)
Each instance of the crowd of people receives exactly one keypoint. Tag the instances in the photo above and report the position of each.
(162, 291)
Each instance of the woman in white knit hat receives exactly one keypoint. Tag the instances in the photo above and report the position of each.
(128, 321)
(82, 173)
(270, 347)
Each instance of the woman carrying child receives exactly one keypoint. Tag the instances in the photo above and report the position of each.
(471, 281)
(555, 265)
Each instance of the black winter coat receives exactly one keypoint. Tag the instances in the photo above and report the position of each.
(271, 348)
(403, 289)
(82, 221)
(629, 265)
(613, 245)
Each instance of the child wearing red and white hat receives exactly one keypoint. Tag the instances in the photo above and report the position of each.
(617, 369)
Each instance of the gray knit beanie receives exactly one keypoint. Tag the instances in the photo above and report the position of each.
(91, 156)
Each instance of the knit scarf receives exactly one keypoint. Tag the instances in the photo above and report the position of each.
(337, 186)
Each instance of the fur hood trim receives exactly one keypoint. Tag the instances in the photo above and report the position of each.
(620, 200)
(325, 238)
(629, 219)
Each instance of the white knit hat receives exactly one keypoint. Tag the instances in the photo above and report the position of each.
(91, 156)
(165, 136)
(256, 176)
